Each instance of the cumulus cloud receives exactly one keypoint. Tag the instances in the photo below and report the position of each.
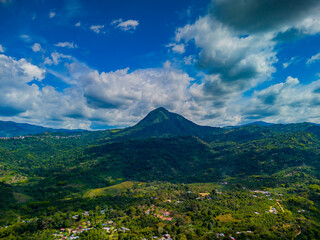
(119, 98)
(314, 58)
(123, 97)
(121, 89)
(78, 24)
(285, 102)
(14, 76)
(66, 44)
(237, 51)
(238, 43)
(97, 28)
(36, 47)
(21, 71)
(1, 49)
(235, 63)
(177, 48)
(56, 58)
(125, 25)
(189, 60)
(22, 100)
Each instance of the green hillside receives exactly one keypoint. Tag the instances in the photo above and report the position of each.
(46, 179)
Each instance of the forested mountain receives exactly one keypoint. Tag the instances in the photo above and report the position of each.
(165, 146)
(162, 123)
(71, 172)
(12, 129)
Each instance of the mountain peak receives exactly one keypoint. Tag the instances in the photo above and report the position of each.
(156, 116)
(160, 109)
(162, 123)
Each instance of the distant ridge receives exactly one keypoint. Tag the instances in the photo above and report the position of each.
(259, 123)
(13, 129)
(162, 123)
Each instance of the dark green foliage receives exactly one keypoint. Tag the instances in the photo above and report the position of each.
(95, 234)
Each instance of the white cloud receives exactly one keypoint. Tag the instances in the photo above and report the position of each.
(48, 61)
(21, 71)
(125, 25)
(236, 63)
(177, 48)
(122, 97)
(238, 47)
(97, 28)
(36, 47)
(66, 44)
(121, 89)
(118, 98)
(189, 60)
(314, 58)
(285, 102)
(15, 93)
(78, 24)
(24, 102)
(286, 64)
(310, 25)
(52, 14)
(236, 54)
(291, 61)
(56, 58)
(1, 49)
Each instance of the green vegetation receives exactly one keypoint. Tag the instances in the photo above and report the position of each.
(157, 178)
(112, 189)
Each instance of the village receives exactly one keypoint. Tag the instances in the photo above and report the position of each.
(166, 211)
(113, 229)
(40, 137)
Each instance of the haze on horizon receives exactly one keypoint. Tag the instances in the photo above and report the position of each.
(101, 64)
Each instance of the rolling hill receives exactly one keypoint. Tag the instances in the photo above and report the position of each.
(13, 129)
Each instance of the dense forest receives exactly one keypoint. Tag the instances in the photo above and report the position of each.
(165, 177)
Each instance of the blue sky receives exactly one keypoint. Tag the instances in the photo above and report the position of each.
(103, 64)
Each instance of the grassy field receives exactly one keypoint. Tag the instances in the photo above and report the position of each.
(112, 190)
